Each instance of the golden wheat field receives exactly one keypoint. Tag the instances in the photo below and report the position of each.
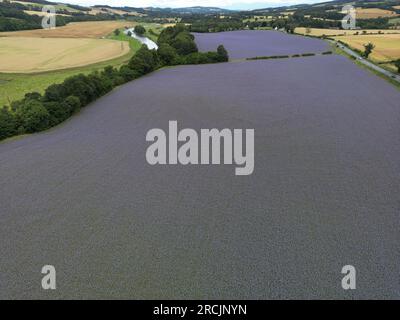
(91, 29)
(28, 55)
(387, 46)
(336, 32)
(372, 13)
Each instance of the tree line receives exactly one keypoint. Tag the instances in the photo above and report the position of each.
(37, 112)
(213, 23)
(13, 17)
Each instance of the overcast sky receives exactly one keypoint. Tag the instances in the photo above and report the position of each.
(231, 4)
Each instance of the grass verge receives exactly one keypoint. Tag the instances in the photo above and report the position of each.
(337, 50)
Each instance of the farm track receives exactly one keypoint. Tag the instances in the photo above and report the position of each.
(325, 191)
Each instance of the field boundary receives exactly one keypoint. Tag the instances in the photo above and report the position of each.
(299, 55)
(339, 51)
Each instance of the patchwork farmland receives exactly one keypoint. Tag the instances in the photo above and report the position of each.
(325, 189)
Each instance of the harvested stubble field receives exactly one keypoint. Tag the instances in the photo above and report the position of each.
(91, 29)
(324, 192)
(28, 55)
(387, 46)
(249, 44)
(14, 86)
(373, 13)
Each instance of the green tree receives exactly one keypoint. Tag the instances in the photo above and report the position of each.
(397, 64)
(144, 61)
(167, 54)
(368, 49)
(127, 73)
(140, 30)
(8, 124)
(32, 116)
(117, 32)
(184, 43)
(74, 103)
(222, 54)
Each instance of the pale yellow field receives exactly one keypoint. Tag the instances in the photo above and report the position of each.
(41, 14)
(372, 13)
(333, 32)
(27, 55)
(27, 3)
(97, 10)
(387, 46)
(91, 29)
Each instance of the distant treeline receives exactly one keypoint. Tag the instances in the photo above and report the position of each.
(13, 17)
(294, 21)
(37, 112)
(213, 23)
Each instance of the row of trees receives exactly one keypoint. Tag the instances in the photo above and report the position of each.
(212, 23)
(37, 112)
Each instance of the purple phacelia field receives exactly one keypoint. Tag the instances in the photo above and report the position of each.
(249, 44)
(324, 193)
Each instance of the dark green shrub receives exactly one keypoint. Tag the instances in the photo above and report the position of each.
(140, 30)
(8, 124)
(127, 73)
(222, 54)
(167, 54)
(32, 116)
(144, 61)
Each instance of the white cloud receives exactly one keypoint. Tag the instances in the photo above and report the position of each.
(188, 3)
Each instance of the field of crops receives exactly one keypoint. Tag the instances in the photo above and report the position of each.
(372, 13)
(91, 29)
(324, 192)
(336, 32)
(249, 44)
(27, 55)
(387, 46)
(14, 86)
